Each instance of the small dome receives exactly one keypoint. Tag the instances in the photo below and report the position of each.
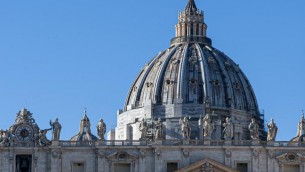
(84, 133)
(301, 131)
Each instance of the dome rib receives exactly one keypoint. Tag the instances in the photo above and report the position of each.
(147, 73)
(204, 71)
(227, 86)
(134, 91)
(160, 78)
(182, 74)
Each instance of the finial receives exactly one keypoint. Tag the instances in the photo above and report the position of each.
(303, 112)
(303, 119)
(85, 112)
(191, 7)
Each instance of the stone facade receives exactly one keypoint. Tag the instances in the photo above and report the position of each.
(196, 107)
(138, 156)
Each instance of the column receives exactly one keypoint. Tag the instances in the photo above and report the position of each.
(195, 29)
(204, 30)
(200, 29)
(188, 32)
(183, 29)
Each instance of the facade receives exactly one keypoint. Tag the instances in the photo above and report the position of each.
(191, 109)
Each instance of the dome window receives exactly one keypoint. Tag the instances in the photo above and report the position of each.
(168, 82)
(227, 63)
(216, 83)
(149, 84)
(236, 85)
(211, 60)
(193, 81)
(135, 88)
(159, 62)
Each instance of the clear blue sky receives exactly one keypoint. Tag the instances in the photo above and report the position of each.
(58, 57)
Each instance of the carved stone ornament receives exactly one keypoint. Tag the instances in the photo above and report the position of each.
(291, 156)
(207, 167)
(56, 154)
(158, 153)
(100, 153)
(228, 153)
(271, 154)
(121, 156)
(142, 153)
(255, 153)
(185, 152)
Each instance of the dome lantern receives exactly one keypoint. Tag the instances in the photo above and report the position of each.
(191, 26)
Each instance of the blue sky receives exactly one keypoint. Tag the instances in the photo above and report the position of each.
(58, 57)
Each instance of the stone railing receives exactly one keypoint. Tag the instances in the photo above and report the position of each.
(111, 143)
(105, 143)
(181, 143)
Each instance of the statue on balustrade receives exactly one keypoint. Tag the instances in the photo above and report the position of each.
(208, 126)
(272, 130)
(4, 140)
(228, 131)
(158, 130)
(101, 129)
(56, 128)
(253, 127)
(185, 128)
(143, 129)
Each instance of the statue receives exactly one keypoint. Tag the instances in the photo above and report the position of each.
(158, 130)
(208, 127)
(301, 127)
(101, 129)
(56, 128)
(228, 131)
(253, 127)
(4, 138)
(42, 138)
(185, 128)
(272, 130)
(143, 128)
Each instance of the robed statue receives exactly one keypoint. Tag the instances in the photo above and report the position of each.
(253, 127)
(208, 126)
(185, 128)
(4, 140)
(56, 128)
(272, 130)
(143, 129)
(158, 130)
(228, 131)
(101, 129)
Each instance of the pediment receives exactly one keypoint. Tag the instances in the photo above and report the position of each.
(290, 157)
(207, 165)
(121, 156)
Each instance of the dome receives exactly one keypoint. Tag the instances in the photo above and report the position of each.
(193, 73)
(190, 78)
(84, 133)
